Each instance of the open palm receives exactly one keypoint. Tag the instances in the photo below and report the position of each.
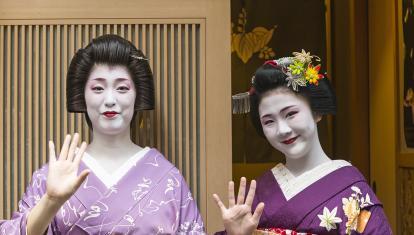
(63, 179)
(238, 218)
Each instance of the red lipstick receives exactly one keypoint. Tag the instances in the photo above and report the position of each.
(291, 140)
(110, 114)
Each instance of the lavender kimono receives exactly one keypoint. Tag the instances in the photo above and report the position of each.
(324, 207)
(151, 198)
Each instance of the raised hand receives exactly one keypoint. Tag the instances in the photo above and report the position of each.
(237, 218)
(63, 179)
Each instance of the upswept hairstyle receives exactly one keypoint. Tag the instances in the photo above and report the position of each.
(320, 97)
(109, 50)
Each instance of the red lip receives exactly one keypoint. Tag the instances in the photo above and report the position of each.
(110, 114)
(291, 140)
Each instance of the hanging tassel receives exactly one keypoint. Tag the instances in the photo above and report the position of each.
(241, 103)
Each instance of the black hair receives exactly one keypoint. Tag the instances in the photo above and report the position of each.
(109, 50)
(321, 97)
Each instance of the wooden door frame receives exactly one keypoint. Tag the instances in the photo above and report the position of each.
(383, 74)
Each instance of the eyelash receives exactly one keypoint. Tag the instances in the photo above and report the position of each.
(97, 88)
(123, 88)
(267, 122)
(290, 114)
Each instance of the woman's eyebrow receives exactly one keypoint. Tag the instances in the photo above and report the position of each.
(266, 115)
(122, 79)
(281, 111)
(287, 107)
(99, 79)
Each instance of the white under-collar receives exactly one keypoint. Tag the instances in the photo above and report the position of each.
(292, 185)
(110, 179)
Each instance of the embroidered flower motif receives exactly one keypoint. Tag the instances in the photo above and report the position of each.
(130, 219)
(191, 227)
(142, 189)
(277, 231)
(366, 201)
(356, 189)
(352, 208)
(329, 219)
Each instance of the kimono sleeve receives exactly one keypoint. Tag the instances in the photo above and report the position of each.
(377, 223)
(190, 221)
(374, 222)
(34, 191)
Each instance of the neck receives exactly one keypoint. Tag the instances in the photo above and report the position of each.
(118, 146)
(313, 158)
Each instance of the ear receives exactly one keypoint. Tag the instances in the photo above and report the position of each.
(317, 117)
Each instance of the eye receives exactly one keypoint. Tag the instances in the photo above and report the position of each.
(123, 88)
(290, 114)
(267, 122)
(97, 88)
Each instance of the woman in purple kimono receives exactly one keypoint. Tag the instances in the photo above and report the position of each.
(310, 193)
(111, 186)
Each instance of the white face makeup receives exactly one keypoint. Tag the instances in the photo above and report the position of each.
(288, 123)
(110, 97)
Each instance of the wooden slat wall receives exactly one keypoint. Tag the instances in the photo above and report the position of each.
(2, 150)
(33, 66)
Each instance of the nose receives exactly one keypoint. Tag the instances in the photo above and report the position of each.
(110, 100)
(283, 129)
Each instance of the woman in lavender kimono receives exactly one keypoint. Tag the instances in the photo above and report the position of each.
(310, 193)
(111, 186)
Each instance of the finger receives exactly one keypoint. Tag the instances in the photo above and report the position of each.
(64, 151)
(80, 153)
(52, 153)
(219, 203)
(242, 190)
(82, 176)
(258, 212)
(250, 194)
(72, 148)
(232, 201)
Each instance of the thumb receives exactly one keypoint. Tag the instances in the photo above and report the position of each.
(82, 176)
(219, 203)
(258, 212)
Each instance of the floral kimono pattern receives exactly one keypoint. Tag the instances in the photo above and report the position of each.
(151, 198)
(335, 204)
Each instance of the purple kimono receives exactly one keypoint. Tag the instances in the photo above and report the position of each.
(320, 207)
(151, 198)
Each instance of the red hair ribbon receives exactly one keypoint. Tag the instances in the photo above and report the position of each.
(272, 63)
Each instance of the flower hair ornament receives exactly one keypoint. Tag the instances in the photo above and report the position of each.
(299, 70)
